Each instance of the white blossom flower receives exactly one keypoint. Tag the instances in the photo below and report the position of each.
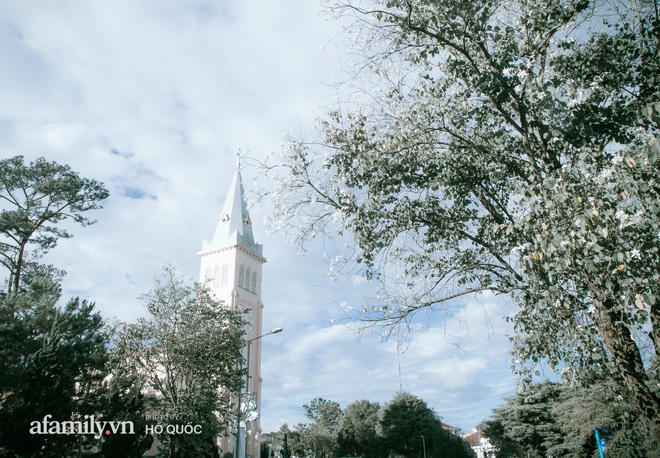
(508, 72)
(624, 219)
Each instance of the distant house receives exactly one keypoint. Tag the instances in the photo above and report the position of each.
(479, 444)
(451, 429)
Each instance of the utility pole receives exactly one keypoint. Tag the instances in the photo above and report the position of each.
(424, 445)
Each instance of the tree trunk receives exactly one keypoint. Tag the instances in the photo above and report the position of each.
(625, 353)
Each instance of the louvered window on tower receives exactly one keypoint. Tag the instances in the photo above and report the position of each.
(208, 276)
(225, 274)
(253, 284)
(216, 276)
(246, 285)
(241, 277)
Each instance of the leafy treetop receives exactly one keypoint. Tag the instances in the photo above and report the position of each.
(35, 199)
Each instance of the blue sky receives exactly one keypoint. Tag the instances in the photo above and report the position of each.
(155, 99)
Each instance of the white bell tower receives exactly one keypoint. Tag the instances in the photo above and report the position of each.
(231, 266)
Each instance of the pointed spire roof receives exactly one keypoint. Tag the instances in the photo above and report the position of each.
(235, 225)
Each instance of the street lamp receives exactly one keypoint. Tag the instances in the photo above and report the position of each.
(272, 331)
(237, 445)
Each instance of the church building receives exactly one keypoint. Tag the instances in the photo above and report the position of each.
(231, 266)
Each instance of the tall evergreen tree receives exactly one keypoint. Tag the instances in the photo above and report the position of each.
(53, 363)
(527, 420)
(37, 198)
(52, 358)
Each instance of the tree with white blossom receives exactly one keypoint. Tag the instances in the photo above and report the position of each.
(501, 146)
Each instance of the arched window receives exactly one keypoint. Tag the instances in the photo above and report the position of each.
(216, 276)
(225, 274)
(241, 277)
(253, 285)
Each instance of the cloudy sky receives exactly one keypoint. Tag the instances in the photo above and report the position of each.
(155, 98)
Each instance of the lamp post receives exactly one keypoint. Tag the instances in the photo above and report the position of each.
(238, 447)
(424, 445)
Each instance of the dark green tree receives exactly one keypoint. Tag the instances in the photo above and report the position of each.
(52, 358)
(295, 440)
(53, 363)
(187, 351)
(493, 429)
(556, 419)
(273, 442)
(286, 450)
(506, 146)
(527, 421)
(265, 447)
(407, 427)
(357, 435)
(123, 400)
(37, 198)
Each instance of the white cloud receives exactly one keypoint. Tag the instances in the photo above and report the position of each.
(461, 382)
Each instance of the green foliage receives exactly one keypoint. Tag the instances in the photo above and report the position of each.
(593, 277)
(366, 429)
(320, 436)
(402, 423)
(187, 352)
(286, 441)
(579, 410)
(123, 400)
(53, 359)
(283, 442)
(286, 450)
(503, 146)
(555, 419)
(407, 425)
(36, 198)
(53, 363)
(357, 435)
(497, 437)
(527, 421)
(297, 441)
(325, 414)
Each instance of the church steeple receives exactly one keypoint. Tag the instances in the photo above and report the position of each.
(235, 225)
(231, 266)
